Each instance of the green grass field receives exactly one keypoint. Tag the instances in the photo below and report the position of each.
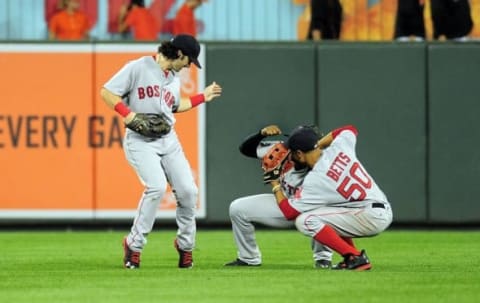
(408, 266)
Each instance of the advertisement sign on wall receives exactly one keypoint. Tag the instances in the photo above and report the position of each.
(61, 146)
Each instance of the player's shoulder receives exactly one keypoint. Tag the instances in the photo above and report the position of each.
(142, 63)
(147, 60)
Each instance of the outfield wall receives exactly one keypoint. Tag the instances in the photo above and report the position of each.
(415, 106)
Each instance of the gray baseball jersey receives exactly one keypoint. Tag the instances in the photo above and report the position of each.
(145, 88)
(338, 191)
(338, 179)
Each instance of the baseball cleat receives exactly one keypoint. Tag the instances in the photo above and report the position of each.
(322, 264)
(131, 259)
(185, 259)
(352, 262)
(239, 262)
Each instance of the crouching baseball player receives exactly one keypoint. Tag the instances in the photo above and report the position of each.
(338, 199)
(262, 208)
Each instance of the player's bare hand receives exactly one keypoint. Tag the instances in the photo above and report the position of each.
(271, 130)
(212, 91)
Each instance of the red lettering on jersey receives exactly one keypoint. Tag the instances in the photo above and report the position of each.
(168, 98)
(298, 192)
(141, 93)
(149, 91)
(333, 175)
(338, 166)
(358, 182)
(342, 156)
(156, 88)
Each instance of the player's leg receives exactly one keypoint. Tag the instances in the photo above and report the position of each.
(322, 255)
(146, 164)
(334, 226)
(180, 177)
(243, 213)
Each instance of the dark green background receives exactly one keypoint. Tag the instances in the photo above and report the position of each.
(415, 105)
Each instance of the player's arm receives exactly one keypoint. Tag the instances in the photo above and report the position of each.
(211, 92)
(327, 140)
(115, 102)
(122, 16)
(249, 146)
(288, 211)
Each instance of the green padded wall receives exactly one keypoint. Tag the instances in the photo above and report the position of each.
(454, 95)
(263, 84)
(380, 88)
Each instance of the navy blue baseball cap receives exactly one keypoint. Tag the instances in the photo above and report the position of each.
(189, 47)
(303, 138)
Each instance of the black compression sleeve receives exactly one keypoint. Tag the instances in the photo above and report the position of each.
(250, 144)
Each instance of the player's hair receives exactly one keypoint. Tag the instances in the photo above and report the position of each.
(137, 2)
(168, 50)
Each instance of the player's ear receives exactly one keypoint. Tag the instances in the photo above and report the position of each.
(179, 54)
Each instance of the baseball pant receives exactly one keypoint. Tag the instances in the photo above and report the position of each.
(261, 209)
(157, 162)
(348, 222)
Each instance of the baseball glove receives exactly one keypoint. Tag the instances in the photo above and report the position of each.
(273, 161)
(150, 125)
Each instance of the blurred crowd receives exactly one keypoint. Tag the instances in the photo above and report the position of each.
(451, 20)
(132, 19)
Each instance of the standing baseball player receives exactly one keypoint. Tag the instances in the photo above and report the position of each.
(263, 208)
(146, 93)
(338, 199)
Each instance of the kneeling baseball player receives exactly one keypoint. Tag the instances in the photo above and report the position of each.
(263, 208)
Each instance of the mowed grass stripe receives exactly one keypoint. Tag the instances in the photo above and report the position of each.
(408, 266)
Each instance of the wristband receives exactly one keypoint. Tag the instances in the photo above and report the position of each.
(276, 188)
(122, 109)
(197, 99)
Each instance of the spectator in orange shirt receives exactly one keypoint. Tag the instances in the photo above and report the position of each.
(136, 18)
(184, 22)
(69, 23)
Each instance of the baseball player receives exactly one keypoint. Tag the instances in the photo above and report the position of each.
(263, 209)
(338, 199)
(151, 85)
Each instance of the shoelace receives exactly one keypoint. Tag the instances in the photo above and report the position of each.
(135, 257)
(186, 258)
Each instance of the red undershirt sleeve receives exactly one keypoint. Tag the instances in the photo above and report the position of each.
(351, 128)
(288, 211)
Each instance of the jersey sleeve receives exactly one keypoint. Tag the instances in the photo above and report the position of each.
(345, 136)
(175, 89)
(122, 82)
(131, 18)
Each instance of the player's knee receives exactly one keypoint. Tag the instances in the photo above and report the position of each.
(308, 224)
(235, 209)
(187, 196)
(154, 193)
(300, 223)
